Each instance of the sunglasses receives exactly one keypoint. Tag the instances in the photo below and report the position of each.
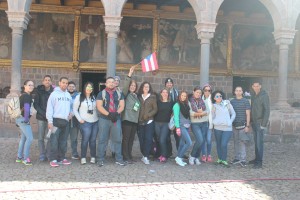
(206, 90)
(90, 88)
(218, 96)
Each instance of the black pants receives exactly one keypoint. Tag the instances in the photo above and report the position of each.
(128, 131)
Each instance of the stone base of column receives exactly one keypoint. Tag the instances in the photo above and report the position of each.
(282, 104)
(13, 94)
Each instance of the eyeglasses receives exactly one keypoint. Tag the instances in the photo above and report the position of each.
(206, 90)
(30, 85)
(218, 96)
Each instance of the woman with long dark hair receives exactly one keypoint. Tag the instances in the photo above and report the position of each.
(181, 111)
(23, 123)
(146, 124)
(84, 108)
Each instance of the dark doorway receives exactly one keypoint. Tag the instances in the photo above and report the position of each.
(98, 79)
(244, 82)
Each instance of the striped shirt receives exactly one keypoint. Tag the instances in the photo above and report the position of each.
(240, 106)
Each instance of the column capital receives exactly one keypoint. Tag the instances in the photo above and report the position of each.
(205, 31)
(284, 37)
(18, 20)
(112, 25)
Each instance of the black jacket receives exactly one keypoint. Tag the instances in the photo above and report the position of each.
(260, 108)
(40, 101)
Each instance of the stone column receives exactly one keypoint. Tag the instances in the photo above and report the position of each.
(297, 52)
(205, 32)
(112, 28)
(283, 38)
(18, 22)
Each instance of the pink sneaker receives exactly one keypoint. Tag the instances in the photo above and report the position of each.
(203, 158)
(65, 162)
(54, 163)
(209, 159)
(162, 159)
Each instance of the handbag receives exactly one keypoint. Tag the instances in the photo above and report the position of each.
(239, 125)
(60, 123)
(171, 124)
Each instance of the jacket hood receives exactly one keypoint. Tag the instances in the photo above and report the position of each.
(57, 89)
(42, 88)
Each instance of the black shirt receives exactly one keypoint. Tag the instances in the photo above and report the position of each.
(25, 98)
(164, 111)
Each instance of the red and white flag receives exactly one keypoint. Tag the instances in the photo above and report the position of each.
(149, 63)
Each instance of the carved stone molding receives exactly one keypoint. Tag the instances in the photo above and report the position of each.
(18, 20)
(205, 31)
(112, 25)
(284, 37)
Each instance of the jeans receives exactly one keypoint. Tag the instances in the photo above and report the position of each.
(128, 131)
(200, 131)
(162, 133)
(239, 145)
(107, 128)
(145, 135)
(89, 133)
(169, 142)
(222, 139)
(258, 141)
(73, 131)
(206, 145)
(185, 142)
(42, 130)
(26, 138)
(57, 144)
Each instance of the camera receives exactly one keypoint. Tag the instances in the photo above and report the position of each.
(90, 112)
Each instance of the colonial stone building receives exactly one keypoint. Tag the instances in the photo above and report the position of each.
(223, 42)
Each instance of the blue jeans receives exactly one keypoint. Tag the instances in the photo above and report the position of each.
(26, 138)
(162, 133)
(107, 128)
(73, 132)
(89, 133)
(185, 142)
(206, 145)
(222, 139)
(42, 130)
(258, 141)
(199, 131)
(145, 135)
(57, 144)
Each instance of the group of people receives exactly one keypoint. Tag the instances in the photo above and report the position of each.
(120, 111)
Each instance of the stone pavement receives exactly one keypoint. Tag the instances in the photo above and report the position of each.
(156, 181)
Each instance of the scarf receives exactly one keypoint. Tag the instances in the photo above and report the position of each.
(111, 107)
(197, 104)
(185, 110)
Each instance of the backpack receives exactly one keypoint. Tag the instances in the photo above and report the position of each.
(104, 96)
(13, 108)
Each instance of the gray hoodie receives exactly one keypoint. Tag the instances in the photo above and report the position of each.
(58, 105)
(223, 115)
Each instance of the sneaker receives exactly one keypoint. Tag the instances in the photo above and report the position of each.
(19, 160)
(76, 157)
(64, 162)
(243, 163)
(209, 159)
(100, 163)
(162, 159)
(179, 162)
(191, 160)
(54, 163)
(218, 161)
(145, 160)
(93, 160)
(203, 158)
(83, 161)
(235, 161)
(121, 163)
(225, 163)
(27, 162)
(197, 161)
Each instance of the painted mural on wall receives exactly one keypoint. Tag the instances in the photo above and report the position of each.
(178, 43)
(218, 47)
(49, 37)
(134, 40)
(5, 37)
(92, 39)
(254, 48)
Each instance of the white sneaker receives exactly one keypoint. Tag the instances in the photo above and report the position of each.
(83, 161)
(145, 160)
(179, 162)
(191, 160)
(93, 160)
(197, 161)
